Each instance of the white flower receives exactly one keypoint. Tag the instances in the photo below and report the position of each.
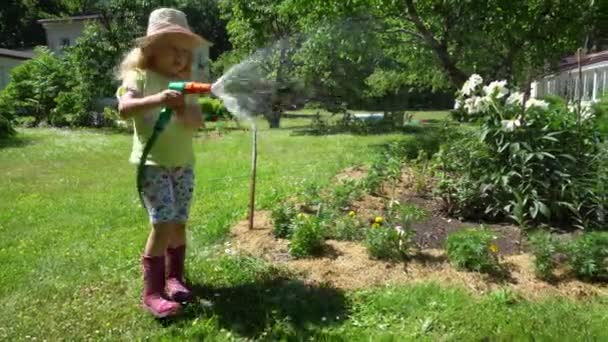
(482, 104)
(586, 111)
(458, 104)
(510, 125)
(516, 98)
(476, 104)
(469, 105)
(496, 88)
(470, 85)
(537, 103)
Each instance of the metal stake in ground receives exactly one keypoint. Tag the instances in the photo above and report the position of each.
(254, 159)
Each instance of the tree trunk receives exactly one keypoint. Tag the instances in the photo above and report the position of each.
(274, 119)
(456, 76)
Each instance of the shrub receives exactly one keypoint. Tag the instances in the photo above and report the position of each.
(213, 109)
(406, 213)
(307, 238)
(348, 228)
(384, 243)
(588, 256)
(6, 129)
(34, 88)
(283, 216)
(544, 248)
(344, 193)
(538, 163)
(473, 250)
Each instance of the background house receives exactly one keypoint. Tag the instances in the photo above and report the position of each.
(63, 32)
(564, 82)
(8, 60)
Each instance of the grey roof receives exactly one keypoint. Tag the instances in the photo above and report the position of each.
(592, 58)
(16, 54)
(68, 19)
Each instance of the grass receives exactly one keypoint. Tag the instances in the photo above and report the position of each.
(72, 232)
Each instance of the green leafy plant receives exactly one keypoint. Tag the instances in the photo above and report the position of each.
(588, 256)
(343, 194)
(213, 109)
(308, 236)
(544, 247)
(34, 88)
(472, 249)
(384, 243)
(6, 128)
(538, 162)
(406, 213)
(283, 216)
(348, 228)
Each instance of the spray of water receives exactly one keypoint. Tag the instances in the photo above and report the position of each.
(245, 89)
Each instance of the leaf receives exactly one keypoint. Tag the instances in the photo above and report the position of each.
(544, 209)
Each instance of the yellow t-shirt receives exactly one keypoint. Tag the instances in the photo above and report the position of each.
(174, 145)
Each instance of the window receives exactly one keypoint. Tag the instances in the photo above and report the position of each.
(65, 42)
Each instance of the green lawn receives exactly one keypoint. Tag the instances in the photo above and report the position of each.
(71, 233)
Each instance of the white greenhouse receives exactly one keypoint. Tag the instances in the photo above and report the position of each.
(565, 83)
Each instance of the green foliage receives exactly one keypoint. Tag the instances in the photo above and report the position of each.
(588, 256)
(347, 228)
(472, 249)
(344, 193)
(6, 128)
(213, 109)
(384, 243)
(35, 87)
(544, 163)
(283, 215)
(406, 213)
(308, 236)
(387, 163)
(544, 247)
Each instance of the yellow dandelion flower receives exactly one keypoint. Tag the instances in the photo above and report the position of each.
(376, 225)
(379, 220)
(493, 248)
(352, 214)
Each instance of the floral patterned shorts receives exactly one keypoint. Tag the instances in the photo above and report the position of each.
(167, 193)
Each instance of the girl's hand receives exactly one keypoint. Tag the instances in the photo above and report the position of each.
(172, 98)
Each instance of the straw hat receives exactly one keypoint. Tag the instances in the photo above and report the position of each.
(168, 21)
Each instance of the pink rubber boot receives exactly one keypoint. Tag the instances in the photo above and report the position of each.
(176, 289)
(154, 287)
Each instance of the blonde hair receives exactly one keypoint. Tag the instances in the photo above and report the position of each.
(135, 59)
(139, 58)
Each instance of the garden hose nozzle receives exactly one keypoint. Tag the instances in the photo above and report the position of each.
(191, 87)
(163, 119)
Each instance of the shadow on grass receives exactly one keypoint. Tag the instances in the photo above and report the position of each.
(370, 129)
(286, 304)
(15, 141)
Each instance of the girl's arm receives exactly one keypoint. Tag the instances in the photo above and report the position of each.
(131, 104)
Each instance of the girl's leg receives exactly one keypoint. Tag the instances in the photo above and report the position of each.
(177, 235)
(176, 256)
(158, 240)
(154, 270)
(157, 196)
(183, 185)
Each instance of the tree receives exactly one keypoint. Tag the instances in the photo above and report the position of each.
(18, 22)
(256, 24)
(495, 38)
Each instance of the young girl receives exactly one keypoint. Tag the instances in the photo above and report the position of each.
(162, 56)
